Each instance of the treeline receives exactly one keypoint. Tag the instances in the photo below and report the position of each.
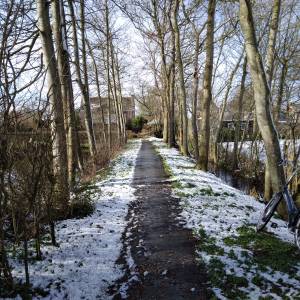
(215, 63)
(53, 56)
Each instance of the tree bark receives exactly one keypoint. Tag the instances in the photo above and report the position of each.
(63, 61)
(262, 97)
(172, 74)
(279, 101)
(121, 101)
(239, 118)
(161, 41)
(115, 93)
(195, 96)
(174, 16)
(219, 128)
(207, 93)
(81, 82)
(269, 77)
(109, 131)
(85, 87)
(55, 97)
(102, 121)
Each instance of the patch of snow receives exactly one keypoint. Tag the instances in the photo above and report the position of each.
(83, 266)
(211, 205)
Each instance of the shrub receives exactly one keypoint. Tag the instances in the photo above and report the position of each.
(82, 204)
(136, 124)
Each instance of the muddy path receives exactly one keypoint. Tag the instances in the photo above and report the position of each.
(163, 252)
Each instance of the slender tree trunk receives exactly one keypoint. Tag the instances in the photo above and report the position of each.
(269, 77)
(262, 98)
(165, 95)
(239, 118)
(63, 61)
(272, 41)
(219, 128)
(103, 133)
(172, 71)
(165, 118)
(85, 87)
(82, 81)
(121, 100)
(279, 101)
(195, 96)
(26, 267)
(115, 93)
(54, 94)
(171, 123)
(184, 145)
(109, 129)
(207, 93)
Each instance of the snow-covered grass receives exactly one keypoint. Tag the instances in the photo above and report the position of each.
(83, 266)
(241, 263)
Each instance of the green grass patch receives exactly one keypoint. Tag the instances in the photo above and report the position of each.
(229, 284)
(267, 250)
(167, 168)
(208, 244)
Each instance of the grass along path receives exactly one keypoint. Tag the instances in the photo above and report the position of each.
(83, 266)
(242, 264)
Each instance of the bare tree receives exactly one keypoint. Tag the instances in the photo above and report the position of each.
(269, 75)
(174, 16)
(54, 94)
(64, 71)
(262, 97)
(207, 94)
(82, 79)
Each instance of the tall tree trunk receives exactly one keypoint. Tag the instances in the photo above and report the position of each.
(63, 61)
(195, 96)
(81, 82)
(279, 101)
(172, 71)
(121, 99)
(85, 87)
(237, 136)
(102, 121)
(165, 122)
(54, 94)
(174, 16)
(207, 93)
(220, 123)
(262, 97)
(26, 265)
(161, 41)
(109, 129)
(269, 77)
(272, 41)
(171, 122)
(115, 93)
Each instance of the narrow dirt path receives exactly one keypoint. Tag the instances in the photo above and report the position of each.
(163, 251)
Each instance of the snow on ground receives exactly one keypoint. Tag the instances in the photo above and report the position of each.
(241, 264)
(83, 266)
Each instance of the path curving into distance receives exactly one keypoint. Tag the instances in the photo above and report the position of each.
(163, 252)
